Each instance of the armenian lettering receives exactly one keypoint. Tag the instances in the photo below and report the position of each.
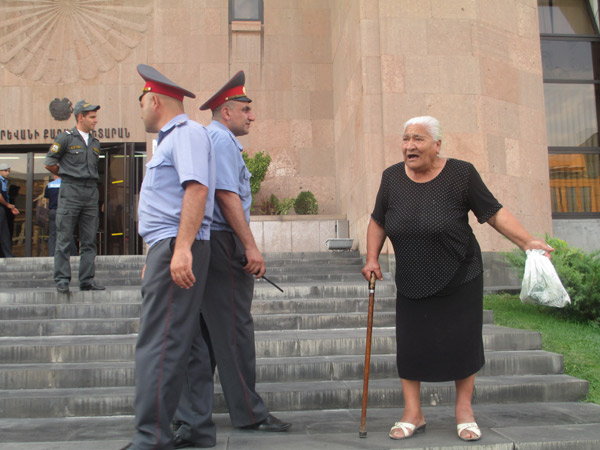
(24, 135)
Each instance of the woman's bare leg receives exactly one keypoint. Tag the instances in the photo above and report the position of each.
(464, 410)
(412, 405)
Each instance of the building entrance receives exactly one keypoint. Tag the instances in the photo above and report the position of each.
(121, 173)
(121, 169)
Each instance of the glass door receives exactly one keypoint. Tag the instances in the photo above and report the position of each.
(121, 173)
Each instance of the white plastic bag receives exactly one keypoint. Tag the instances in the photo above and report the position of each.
(541, 284)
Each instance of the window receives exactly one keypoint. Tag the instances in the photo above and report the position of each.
(246, 10)
(571, 63)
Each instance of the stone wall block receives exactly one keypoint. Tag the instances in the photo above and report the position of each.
(321, 105)
(305, 236)
(322, 133)
(401, 36)
(303, 77)
(455, 9)
(501, 80)
(460, 75)
(449, 37)
(301, 134)
(392, 73)
(421, 9)
(277, 237)
(422, 74)
(471, 147)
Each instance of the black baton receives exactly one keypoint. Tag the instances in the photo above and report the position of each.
(245, 261)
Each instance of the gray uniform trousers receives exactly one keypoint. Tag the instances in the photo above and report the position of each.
(168, 323)
(196, 416)
(52, 235)
(226, 312)
(77, 203)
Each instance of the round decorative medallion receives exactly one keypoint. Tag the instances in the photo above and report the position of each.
(64, 41)
(61, 109)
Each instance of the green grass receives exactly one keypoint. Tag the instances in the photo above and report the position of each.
(579, 343)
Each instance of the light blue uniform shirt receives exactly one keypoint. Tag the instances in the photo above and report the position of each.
(184, 153)
(4, 185)
(232, 173)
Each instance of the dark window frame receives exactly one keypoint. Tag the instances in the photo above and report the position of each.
(574, 149)
(261, 13)
(591, 14)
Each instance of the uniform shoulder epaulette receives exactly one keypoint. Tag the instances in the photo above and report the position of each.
(181, 122)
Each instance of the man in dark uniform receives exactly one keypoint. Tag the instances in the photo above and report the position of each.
(74, 157)
(6, 209)
(175, 212)
(235, 261)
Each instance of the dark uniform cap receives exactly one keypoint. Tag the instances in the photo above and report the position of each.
(83, 105)
(233, 90)
(159, 84)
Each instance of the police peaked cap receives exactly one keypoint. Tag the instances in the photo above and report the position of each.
(233, 90)
(159, 84)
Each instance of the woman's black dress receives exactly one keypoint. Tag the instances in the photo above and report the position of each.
(439, 270)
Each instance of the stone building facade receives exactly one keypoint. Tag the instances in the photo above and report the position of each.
(332, 82)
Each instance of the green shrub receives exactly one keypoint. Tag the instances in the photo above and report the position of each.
(306, 203)
(274, 206)
(285, 205)
(269, 206)
(579, 272)
(257, 166)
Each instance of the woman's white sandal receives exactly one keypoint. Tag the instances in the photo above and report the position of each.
(472, 427)
(407, 428)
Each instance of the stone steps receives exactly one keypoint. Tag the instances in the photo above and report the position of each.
(274, 261)
(527, 426)
(268, 370)
(133, 279)
(295, 292)
(269, 344)
(131, 308)
(70, 358)
(125, 270)
(296, 395)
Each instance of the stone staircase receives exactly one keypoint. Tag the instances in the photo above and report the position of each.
(71, 356)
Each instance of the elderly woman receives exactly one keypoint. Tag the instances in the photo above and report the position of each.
(422, 206)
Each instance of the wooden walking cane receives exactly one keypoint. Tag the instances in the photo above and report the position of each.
(363, 417)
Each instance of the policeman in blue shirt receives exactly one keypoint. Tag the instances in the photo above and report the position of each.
(51, 193)
(175, 212)
(234, 262)
(74, 156)
(5, 209)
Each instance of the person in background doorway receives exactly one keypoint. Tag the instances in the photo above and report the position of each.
(74, 156)
(6, 210)
(13, 193)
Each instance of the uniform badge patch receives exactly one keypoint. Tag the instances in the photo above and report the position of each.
(54, 148)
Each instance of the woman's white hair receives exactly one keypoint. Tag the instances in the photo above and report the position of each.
(431, 124)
